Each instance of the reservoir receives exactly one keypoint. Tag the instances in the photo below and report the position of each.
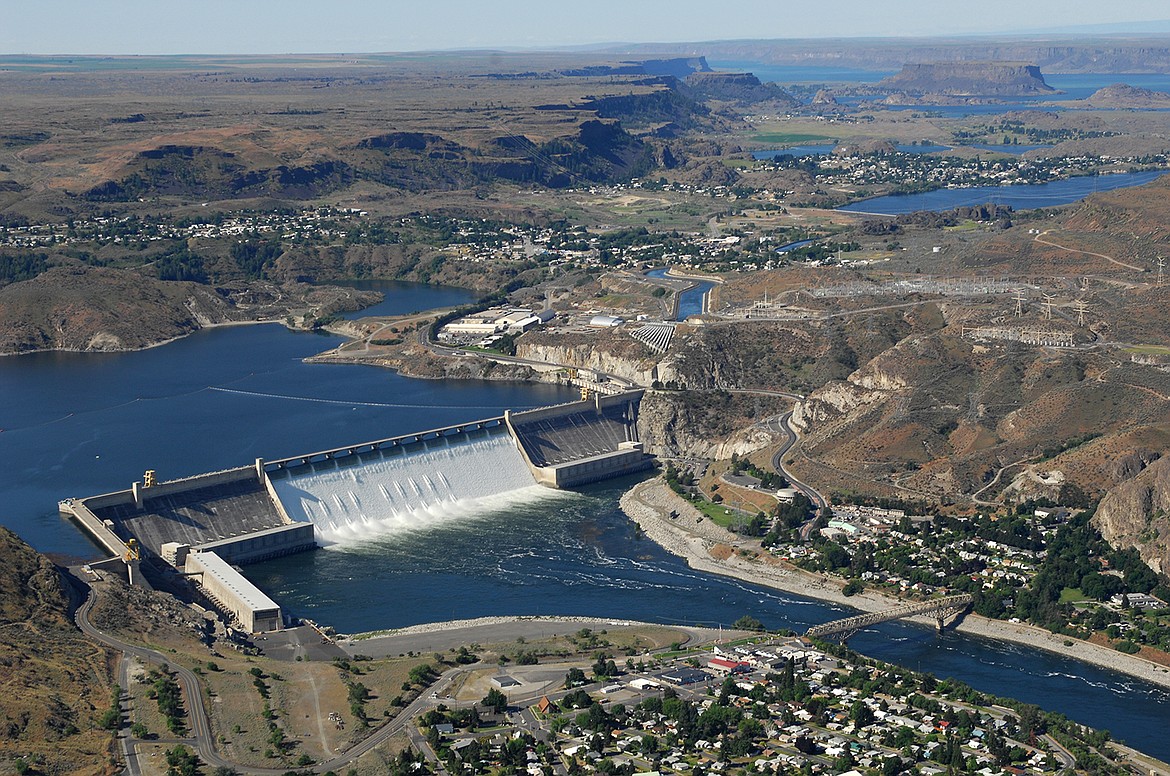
(1019, 197)
(80, 424)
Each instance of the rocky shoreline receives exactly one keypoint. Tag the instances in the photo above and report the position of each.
(710, 548)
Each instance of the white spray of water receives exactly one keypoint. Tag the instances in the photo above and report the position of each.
(353, 499)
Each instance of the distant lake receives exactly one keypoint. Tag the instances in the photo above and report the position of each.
(811, 150)
(1019, 197)
(1075, 86)
(792, 74)
(403, 298)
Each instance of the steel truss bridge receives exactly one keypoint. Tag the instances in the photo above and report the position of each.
(941, 608)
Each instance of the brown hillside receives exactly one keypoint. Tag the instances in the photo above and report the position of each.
(54, 683)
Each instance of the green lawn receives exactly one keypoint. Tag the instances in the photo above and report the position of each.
(721, 514)
(1071, 595)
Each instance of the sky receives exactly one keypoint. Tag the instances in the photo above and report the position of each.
(336, 26)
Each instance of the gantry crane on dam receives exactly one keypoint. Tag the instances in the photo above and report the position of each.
(941, 608)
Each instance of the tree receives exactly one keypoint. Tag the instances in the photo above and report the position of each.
(496, 701)
(574, 678)
(747, 622)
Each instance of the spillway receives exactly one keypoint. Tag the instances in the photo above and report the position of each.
(406, 487)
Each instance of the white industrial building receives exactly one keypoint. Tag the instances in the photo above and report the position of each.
(233, 593)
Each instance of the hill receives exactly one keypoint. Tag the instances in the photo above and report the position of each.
(1125, 97)
(56, 683)
(985, 79)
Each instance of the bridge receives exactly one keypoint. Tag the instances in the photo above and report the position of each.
(941, 608)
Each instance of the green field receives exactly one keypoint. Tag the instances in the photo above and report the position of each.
(790, 137)
(1154, 350)
(1071, 595)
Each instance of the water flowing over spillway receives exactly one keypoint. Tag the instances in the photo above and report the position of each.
(408, 487)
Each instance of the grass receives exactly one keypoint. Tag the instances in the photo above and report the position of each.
(1071, 595)
(719, 513)
(1158, 350)
(790, 137)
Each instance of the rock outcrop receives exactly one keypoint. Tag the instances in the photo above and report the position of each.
(987, 79)
(1137, 514)
(713, 425)
(617, 354)
(1126, 97)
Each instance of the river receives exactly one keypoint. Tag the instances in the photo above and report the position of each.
(1019, 197)
(80, 424)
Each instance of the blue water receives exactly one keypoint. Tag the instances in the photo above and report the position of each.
(78, 424)
(1081, 85)
(794, 245)
(579, 555)
(81, 424)
(1019, 197)
(402, 297)
(690, 302)
(810, 150)
(1074, 86)
(792, 74)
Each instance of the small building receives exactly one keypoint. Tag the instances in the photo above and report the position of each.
(1138, 601)
(684, 675)
(786, 495)
(724, 667)
(605, 321)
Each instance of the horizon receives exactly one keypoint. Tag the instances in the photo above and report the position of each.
(142, 28)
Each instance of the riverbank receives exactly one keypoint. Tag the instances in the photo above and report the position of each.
(712, 549)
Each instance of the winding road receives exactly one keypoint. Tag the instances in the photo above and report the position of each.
(201, 737)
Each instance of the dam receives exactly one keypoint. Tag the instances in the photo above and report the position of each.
(204, 526)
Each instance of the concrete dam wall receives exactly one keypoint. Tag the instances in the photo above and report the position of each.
(349, 494)
(404, 487)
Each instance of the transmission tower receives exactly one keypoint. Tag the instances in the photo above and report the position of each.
(1048, 306)
(1161, 268)
(1020, 303)
(1081, 308)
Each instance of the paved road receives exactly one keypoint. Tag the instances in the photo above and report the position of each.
(201, 737)
(784, 423)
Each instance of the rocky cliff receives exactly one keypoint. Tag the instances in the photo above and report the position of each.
(988, 79)
(1137, 514)
(614, 353)
(705, 424)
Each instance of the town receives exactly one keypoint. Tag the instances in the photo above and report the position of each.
(763, 705)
